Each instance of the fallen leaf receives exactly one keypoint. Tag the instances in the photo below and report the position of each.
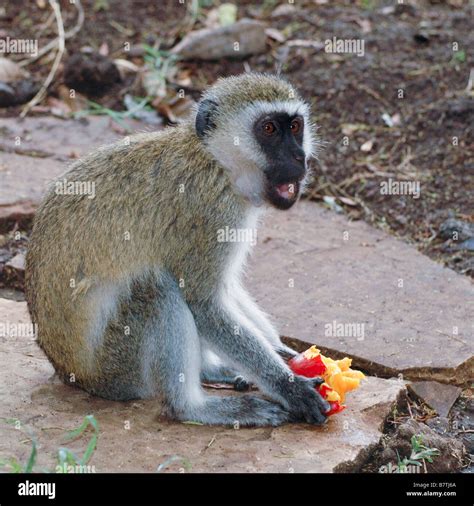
(275, 34)
(365, 25)
(347, 201)
(10, 71)
(350, 128)
(367, 146)
(104, 49)
(227, 14)
(316, 44)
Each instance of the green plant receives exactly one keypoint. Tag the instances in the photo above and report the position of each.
(419, 454)
(367, 4)
(65, 457)
(160, 66)
(175, 458)
(459, 56)
(96, 109)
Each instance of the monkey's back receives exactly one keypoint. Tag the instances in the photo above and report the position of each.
(147, 214)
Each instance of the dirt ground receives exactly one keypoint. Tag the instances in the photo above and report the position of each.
(409, 72)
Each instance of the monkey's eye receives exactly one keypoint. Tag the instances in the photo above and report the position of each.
(295, 126)
(269, 127)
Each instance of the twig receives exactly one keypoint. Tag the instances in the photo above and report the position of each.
(55, 42)
(409, 408)
(61, 46)
(373, 94)
(211, 442)
(470, 82)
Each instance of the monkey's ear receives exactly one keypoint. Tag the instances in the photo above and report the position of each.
(204, 117)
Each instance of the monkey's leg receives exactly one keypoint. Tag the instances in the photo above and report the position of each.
(213, 370)
(172, 365)
(261, 321)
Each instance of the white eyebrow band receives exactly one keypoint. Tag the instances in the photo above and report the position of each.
(291, 107)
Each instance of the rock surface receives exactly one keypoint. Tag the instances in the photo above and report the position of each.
(36, 150)
(312, 270)
(243, 38)
(49, 409)
(438, 396)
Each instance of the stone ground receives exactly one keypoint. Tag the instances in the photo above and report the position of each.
(311, 271)
(313, 267)
(31, 394)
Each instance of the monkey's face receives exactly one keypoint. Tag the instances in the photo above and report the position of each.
(280, 137)
(264, 146)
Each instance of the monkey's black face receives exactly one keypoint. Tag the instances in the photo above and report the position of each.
(281, 139)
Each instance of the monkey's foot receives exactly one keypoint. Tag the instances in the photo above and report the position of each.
(243, 410)
(226, 376)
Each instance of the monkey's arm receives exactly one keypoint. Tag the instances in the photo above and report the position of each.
(229, 333)
(261, 321)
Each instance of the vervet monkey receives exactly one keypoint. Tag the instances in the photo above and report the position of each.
(134, 295)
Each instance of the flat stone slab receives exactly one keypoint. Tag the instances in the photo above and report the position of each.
(438, 396)
(46, 147)
(313, 270)
(133, 437)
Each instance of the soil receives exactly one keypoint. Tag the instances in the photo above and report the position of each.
(451, 436)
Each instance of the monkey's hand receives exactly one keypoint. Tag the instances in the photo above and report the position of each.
(304, 403)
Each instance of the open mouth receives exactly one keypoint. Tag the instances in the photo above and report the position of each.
(287, 191)
(284, 195)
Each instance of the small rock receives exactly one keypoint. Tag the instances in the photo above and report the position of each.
(17, 93)
(440, 425)
(20, 212)
(92, 74)
(456, 230)
(5, 255)
(401, 219)
(17, 262)
(283, 10)
(461, 108)
(402, 8)
(275, 34)
(10, 71)
(467, 244)
(422, 37)
(241, 39)
(367, 146)
(14, 272)
(16, 87)
(438, 396)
